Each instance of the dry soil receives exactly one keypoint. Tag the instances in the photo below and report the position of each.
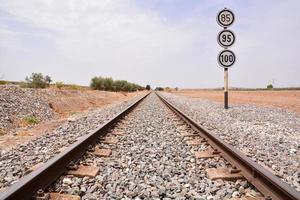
(285, 99)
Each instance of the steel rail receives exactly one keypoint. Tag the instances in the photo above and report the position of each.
(268, 184)
(27, 186)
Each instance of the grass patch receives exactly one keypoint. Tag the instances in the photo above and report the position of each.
(31, 120)
(2, 132)
(73, 87)
(2, 82)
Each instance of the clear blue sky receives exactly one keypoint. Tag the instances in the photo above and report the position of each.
(157, 42)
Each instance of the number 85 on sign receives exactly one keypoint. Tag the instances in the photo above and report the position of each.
(225, 18)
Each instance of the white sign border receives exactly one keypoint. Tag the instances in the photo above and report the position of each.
(221, 63)
(218, 37)
(233, 19)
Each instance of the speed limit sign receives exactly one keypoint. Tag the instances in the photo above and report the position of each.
(225, 18)
(226, 58)
(226, 38)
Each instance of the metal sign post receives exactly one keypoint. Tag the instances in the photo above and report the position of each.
(226, 88)
(226, 38)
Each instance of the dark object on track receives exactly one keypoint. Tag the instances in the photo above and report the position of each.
(268, 184)
(29, 185)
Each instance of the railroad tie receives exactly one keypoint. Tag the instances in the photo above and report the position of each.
(205, 154)
(118, 133)
(82, 171)
(102, 152)
(248, 198)
(224, 174)
(58, 196)
(110, 140)
(195, 142)
(187, 134)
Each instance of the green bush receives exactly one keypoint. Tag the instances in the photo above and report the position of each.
(2, 132)
(108, 84)
(73, 87)
(31, 120)
(2, 82)
(159, 89)
(270, 86)
(59, 85)
(97, 83)
(37, 80)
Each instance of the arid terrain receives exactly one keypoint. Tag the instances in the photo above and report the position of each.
(51, 107)
(285, 99)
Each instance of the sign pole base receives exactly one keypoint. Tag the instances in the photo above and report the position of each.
(226, 88)
(226, 99)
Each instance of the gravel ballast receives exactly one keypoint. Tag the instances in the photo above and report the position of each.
(15, 163)
(269, 136)
(18, 103)
(152, 161)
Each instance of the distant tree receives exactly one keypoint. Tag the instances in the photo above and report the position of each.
(108, 84)
(176, 88)
(148, 87)
(37, 80)
(270, 86)
(159, 89)
(97, 83)
(48, 79)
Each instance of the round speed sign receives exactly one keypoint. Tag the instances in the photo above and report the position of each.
(225, 17)
(226, 38)
(226, 58)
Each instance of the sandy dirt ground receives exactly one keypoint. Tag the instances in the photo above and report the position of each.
(68, 102)
(65, 103)
(286, 99)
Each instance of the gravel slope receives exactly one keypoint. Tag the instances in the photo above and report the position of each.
(269, 136)
(152, 161)
(14, 163)
(17, 103)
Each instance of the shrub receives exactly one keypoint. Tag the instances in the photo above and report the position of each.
(97, 83)
(59, 85)
(167, 89)
(270, 86)
(37, 80)
(120, 85)
(148, 87)
(48, 79)
(159, 89)
(2, 82)
(73, 87)
(108, 84)
(31, 120)
(2, 132)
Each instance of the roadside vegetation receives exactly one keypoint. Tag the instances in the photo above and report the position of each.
(31, 120)
(108, 84)
(37, 80)
(159, 89)
(148, 87)
(270, 86)
(2, 132)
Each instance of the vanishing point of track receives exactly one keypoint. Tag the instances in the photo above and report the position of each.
(264, 181)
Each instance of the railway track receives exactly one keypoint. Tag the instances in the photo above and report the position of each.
(130, 146)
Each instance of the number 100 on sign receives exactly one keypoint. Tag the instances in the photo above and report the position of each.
(226, 58)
